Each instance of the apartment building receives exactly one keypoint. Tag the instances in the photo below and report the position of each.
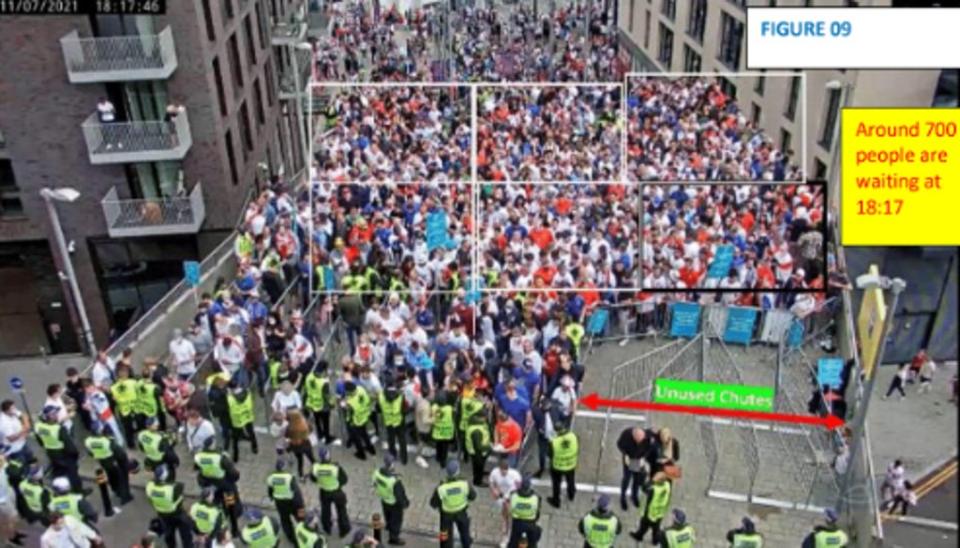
(155, 189)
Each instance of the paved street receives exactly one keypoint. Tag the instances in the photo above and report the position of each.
(938, 504)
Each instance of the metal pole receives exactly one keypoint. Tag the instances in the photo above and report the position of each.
(778, 379)
(833, 174)
(897, 287)
(71, 276)
(297, 84)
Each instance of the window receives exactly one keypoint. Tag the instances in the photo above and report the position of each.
(10, 204)
(731, 36)
(218, 79)
(233, 51)
(830, 118)
(271, 90)
(755, 114)
(251, 45)
(646, 31)
(819, 170)
(759, 86)
(243, 122)
(665, 56)
(772, 3)
(669, 8)
(698, 20)
(208, 21)
(691, 59)
(231, 159)
(258, 97)
(727, 87)
(741, 3)
(785, 141)
(227, 9)
(633, 7)
(791, 111)
(261, 25)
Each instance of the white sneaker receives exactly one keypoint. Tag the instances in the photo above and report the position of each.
(373, 439)
(504, 542)
(116, 512)
(385, 446)
(624, 342)
(422, 463)
(336, 442)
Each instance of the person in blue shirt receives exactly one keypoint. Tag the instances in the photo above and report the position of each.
(420, 360)
(513, 404)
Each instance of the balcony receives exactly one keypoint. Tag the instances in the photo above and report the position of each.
(119, 58)
(140, 141)
(290, 30)
(288, 81)
(128, 218)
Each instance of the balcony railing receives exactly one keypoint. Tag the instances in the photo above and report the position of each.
(288, 82)
(119, 58)
(290, 30)
(139, 141)
(154, 216)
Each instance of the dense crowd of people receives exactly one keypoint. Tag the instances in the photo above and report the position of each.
(689, 129)
(726, 236)
(537, 237)
(406, 133)
(549, 133)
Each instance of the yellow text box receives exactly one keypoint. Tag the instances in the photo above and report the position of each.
(900, 176)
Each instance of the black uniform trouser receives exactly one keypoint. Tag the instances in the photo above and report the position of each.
(322, 420)
(339, 499)
(647, 524)
(478, 462)
(360, 439)
(556, 477)
(443, 449)
(246, 433)
(393, 516)
(118, 475)
(287, 510)
(129, 425)
(68, 467)
(518, 528)
(462, 521)
(633, 480)
(171, 464)
(396, 435)
(174, 524)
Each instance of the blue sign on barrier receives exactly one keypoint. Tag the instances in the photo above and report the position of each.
(191, 273)
(795, 334)
(597, 323)
(722, 261)
(830, 372)
(740, 324)
(436, 230)
(472, 290)
(329, 279)
(684, 320)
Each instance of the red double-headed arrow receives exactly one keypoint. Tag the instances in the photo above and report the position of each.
(593, 401)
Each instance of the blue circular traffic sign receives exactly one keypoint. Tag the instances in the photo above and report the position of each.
(16, 383)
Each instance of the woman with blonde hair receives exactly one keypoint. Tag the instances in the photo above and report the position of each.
(667, 454)
(299, 442)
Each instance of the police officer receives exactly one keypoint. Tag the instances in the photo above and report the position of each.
(392, 409)
(477, 444)
(215, 469)
(524, 514)
(308, 532)
(468, 406)
(285, 493)
(166, 497)
(240, 408)
(36, 497)
(318, 400)
(564, 451)
(157, 448)
(69, 503)
(600, 527)
(206, 516)
(124, 394)
(149, 404)
(112, 458)
(680, 534)
(393, 496)
(331, 478)
(452, 497)
(658, 495)
(58, 443)
(259, 531)
(829, 535)
(746, 536)
(358, 407)
(444, 428)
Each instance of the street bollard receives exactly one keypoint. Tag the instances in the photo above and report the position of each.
(104, 492)
(376, 523)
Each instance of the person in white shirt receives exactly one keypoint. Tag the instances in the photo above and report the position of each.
(286, 399)
(198, 430)
(183, 355)
(14, 430)
(229, 354)
(68, 532)
(893, 479)
(55, 399)
(503, 482)
(564, 397)
(104, 371)
(926, 375)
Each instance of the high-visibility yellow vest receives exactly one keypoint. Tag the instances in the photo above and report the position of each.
(327, 475)
(150, 444)
(210, 464)
(575, 332)
(204, 517)
(443, 428)
(147, 398)
(384, 485)
(124, 393)
(682, 537)
(453, 496)
(830, 539)
(218, 375)
(32, 494)
(49, 434)
(523, 507)
(360, 407)
(565, 452)
(100, 447)
(658, 502)
(306, 538)
(241, 413)
(282, 485)
(600, 532)
(747, 540)
(484, 430)
(260, 535)
(314, 387)
(392, 410)
(68, 505)
(162, 498)
(468, 408)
